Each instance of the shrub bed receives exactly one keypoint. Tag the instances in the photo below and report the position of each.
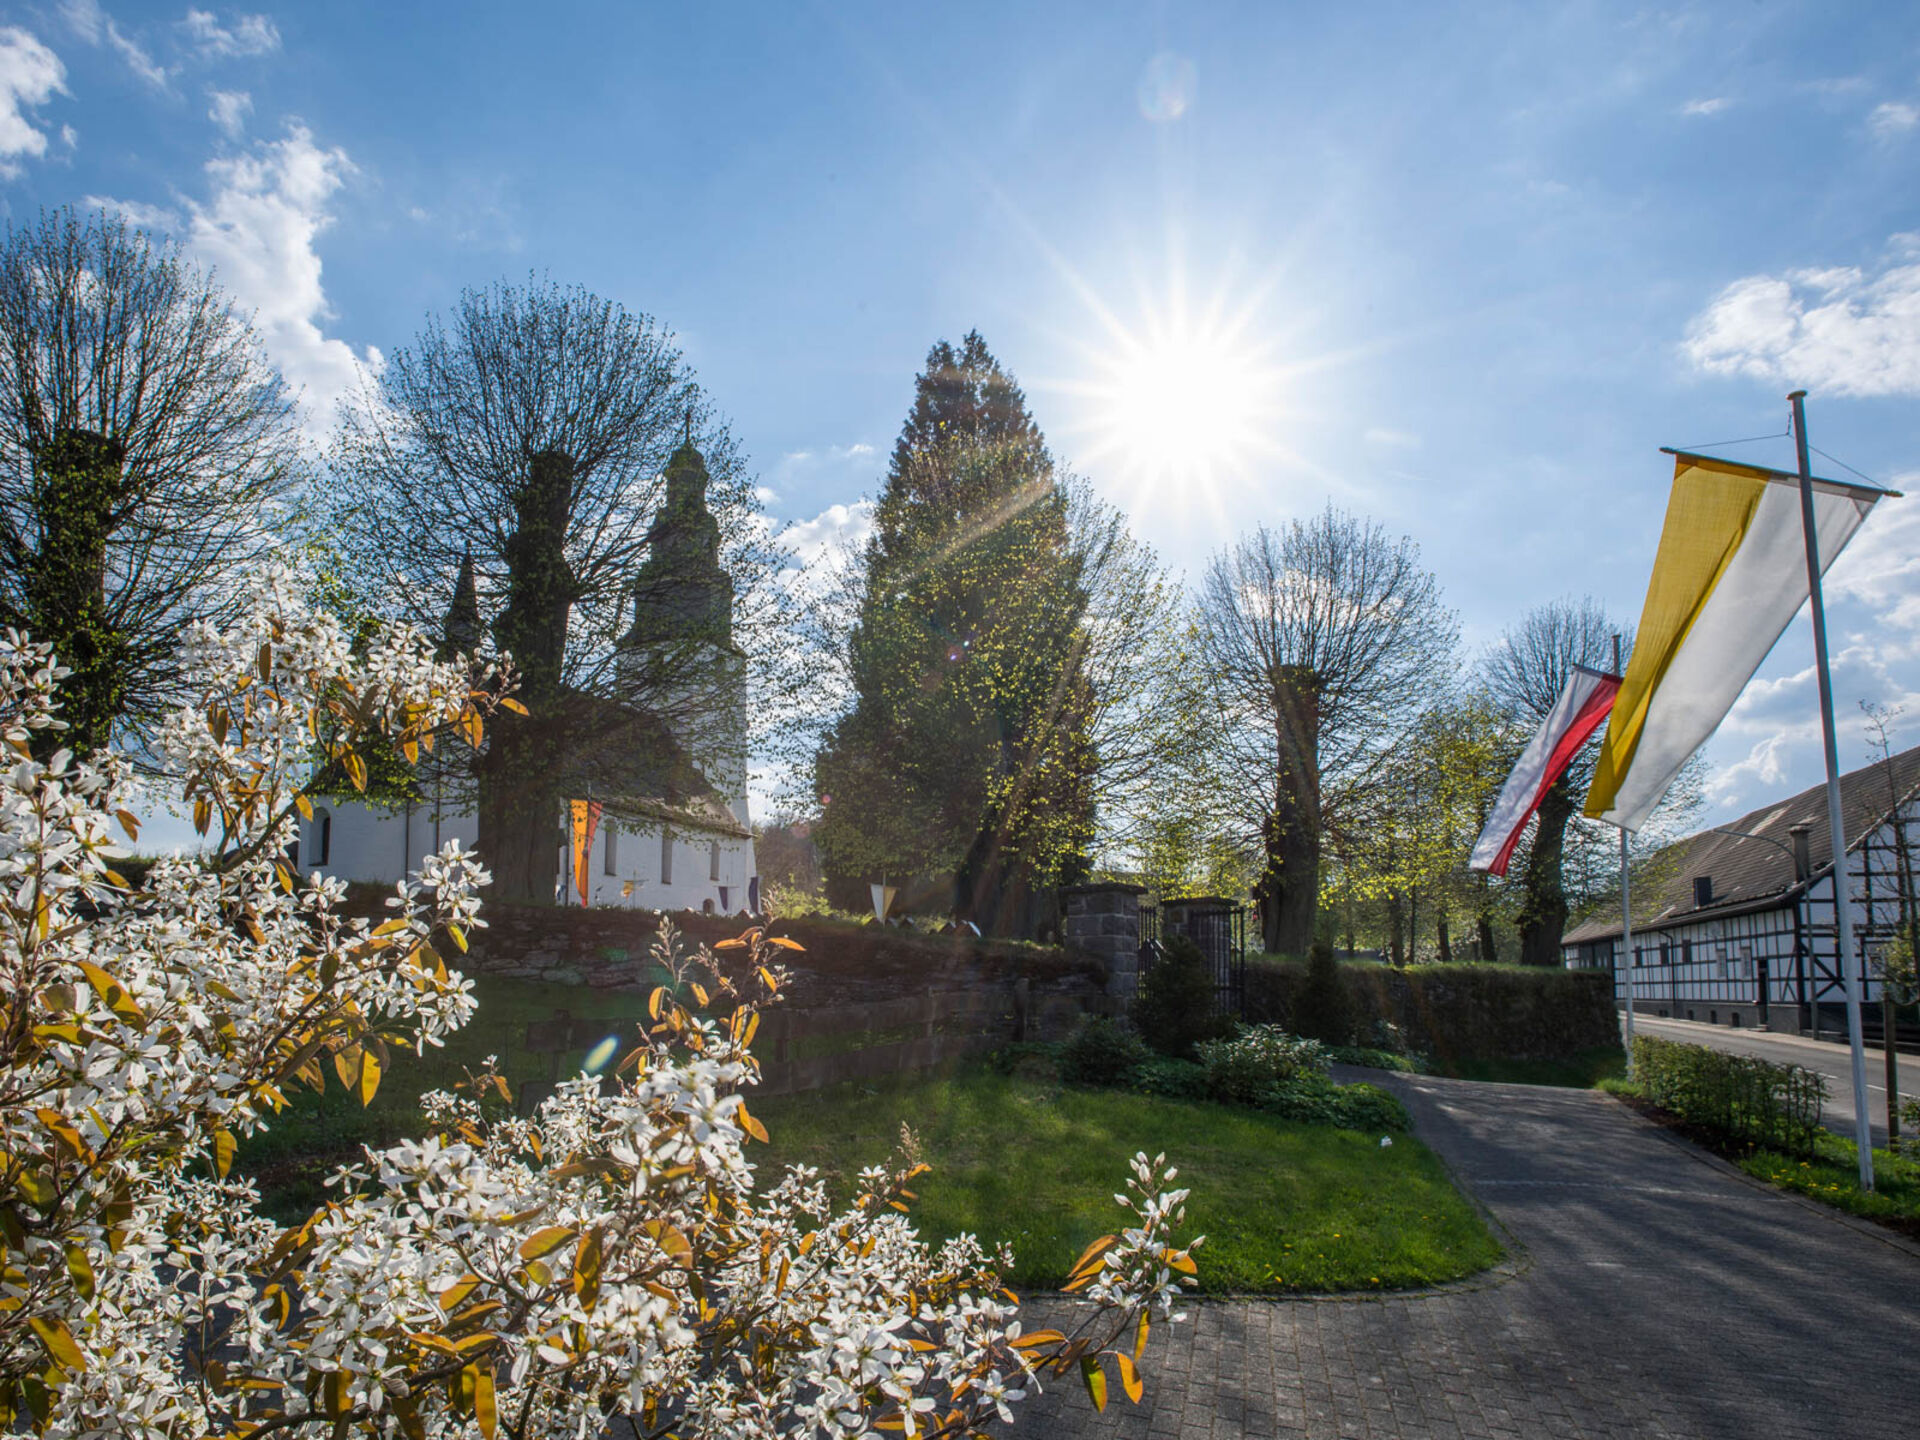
(1746, 1099)
(1454, 1013)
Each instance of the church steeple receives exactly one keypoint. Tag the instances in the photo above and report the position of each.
(682, 592)
(462, 629)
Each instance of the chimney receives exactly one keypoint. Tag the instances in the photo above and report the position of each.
(1702, 891)
(1802, 850)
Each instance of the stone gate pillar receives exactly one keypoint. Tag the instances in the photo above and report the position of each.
(1104, 919)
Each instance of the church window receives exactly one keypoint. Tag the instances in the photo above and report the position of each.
(713, 861)
(666, 856)
(321, 845)
(612, 859)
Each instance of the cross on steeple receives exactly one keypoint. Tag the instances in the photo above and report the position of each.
(688, 437)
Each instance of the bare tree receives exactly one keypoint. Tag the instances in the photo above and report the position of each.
(616, 542)
(1320, 643)
(143, 439)
(1525, 673)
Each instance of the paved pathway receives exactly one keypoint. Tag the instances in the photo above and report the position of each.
(1832, 1060)
(1652, 1293)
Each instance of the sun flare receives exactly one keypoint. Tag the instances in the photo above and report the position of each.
(1181, 402)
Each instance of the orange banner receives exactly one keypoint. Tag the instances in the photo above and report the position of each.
(586, 819)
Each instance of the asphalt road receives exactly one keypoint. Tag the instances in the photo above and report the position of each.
(1824, 1056)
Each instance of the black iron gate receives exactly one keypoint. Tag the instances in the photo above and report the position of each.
(1217, 926)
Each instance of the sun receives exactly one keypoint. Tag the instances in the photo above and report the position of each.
(1180, 400)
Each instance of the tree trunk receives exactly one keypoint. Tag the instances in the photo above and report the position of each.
(520, 788)
(1543, 910)
(1484, 925)
(1396, 931)
(76, 487)
(1289, 887)
(1445, 939)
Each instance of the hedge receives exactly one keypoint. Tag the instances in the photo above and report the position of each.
(1741, 1097)
(1453, 1013)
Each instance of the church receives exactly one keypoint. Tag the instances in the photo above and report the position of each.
(652, 826)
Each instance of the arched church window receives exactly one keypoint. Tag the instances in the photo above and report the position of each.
(612, 865)
(713, 861)
(666, 856)
(320, 846)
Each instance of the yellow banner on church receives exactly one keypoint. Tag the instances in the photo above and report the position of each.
(586, 819)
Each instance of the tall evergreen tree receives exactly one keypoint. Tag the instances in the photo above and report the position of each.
(966, 750)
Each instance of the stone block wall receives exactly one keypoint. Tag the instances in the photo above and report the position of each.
(1103, 920)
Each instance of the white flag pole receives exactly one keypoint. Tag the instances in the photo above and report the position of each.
(1626, 906)
(1836, 825)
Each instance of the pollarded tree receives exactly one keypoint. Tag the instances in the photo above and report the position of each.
(1321, 642)
(143, 440)
(966, 750)
(548, 437)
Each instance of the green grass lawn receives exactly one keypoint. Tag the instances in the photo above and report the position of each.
(1833, 1176)
(1284, 1207)
(319, 1132)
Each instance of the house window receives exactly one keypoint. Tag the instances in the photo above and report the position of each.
(666, 856)
(320, 846)
(725, 909)
(612, 863)
(713, 861)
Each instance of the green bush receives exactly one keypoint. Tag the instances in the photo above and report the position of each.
(1315, 1100)
(1101, 1052)
(1241, 1069)
(1170, 1079)
(1376, 1059)
(1739, 1096)
(1175, 1010)
(1323, 1010)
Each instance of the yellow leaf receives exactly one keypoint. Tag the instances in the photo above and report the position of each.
(752, 1126)
(1035, 1338)
(784, 943)
(545, 1242)
(458, 1291)
(458, 937)
(356, 769)
(303, 805)
(1129, 1376)
(470, 727)
(346, 1064)
(59, 1342)
(369, 1076)
(483, 1403)
(1140, 1336)
(1181, 1261)
(1096, 1380)
(655, 1000)
(128, 823)
(699, 993)
(586, 1269)
(112, 993)
(507, 702)
(80, 1268)
(223, 1147)
(202, 815)
(266, 662)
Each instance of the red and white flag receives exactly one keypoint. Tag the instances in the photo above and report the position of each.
(1583, 704)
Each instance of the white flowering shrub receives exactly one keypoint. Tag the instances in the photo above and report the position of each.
(609, 1255)
(1243, 1069)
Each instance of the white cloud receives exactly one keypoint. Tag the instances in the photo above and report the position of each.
(1892, 119)
(1712, 105)
(229, 110)
(30, 75)
(835, 531)
(257, 231)
(1880, 569)
(1844, 330)
(248, 35)
(95, 26)
(1760, 773)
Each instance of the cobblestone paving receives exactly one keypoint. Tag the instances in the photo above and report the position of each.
(1649, 1294)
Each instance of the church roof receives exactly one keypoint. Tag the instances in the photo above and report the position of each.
(635, 766)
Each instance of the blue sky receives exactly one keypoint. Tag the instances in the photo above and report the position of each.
(1481, 261)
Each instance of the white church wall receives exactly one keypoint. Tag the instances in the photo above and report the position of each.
(693, 883)
(376, 845)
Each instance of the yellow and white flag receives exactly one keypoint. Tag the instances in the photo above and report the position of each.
(1730, 575)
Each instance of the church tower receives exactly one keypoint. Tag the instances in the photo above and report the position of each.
(680, 645)
(462, 629)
